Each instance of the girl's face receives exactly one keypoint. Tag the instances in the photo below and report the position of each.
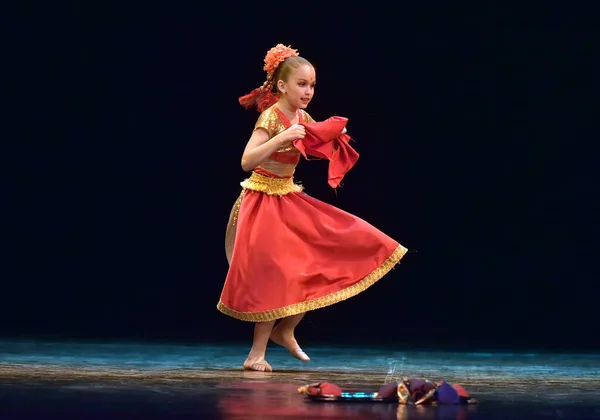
(300, 86)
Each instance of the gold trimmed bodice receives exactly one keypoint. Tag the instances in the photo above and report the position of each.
(270, 121)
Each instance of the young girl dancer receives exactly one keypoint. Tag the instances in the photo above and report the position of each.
(290, 253)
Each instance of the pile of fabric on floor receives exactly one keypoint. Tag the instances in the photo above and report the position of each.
(415, 391)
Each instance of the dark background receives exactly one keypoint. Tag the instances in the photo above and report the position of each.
(470, 120)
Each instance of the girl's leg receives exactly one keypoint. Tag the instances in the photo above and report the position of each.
(256, 357)
(283, 334)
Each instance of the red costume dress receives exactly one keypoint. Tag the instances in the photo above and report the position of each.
(290, 253)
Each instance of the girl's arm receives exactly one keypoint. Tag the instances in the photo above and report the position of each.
(259, 147)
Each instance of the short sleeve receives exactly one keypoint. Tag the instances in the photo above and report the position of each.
(306, 117)
(268, 120)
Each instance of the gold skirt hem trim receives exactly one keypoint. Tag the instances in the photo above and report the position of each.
(323, 301)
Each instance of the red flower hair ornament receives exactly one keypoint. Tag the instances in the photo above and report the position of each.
(263, 97)
(277, 55)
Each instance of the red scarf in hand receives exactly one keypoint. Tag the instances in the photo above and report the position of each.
(324, 140)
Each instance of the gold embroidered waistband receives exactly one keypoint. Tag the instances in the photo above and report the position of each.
(270, 185)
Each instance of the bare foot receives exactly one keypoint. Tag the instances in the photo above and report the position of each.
(286, 339)
(258, 364)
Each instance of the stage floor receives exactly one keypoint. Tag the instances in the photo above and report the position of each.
(132, 380)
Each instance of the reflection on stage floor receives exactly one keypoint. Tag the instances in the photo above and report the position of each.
(131, 380)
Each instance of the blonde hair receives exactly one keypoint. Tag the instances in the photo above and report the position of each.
(285, 69)
(268, 94)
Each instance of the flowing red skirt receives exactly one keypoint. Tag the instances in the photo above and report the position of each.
(294, 253)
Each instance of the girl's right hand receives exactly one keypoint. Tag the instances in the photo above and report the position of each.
(295, 132)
